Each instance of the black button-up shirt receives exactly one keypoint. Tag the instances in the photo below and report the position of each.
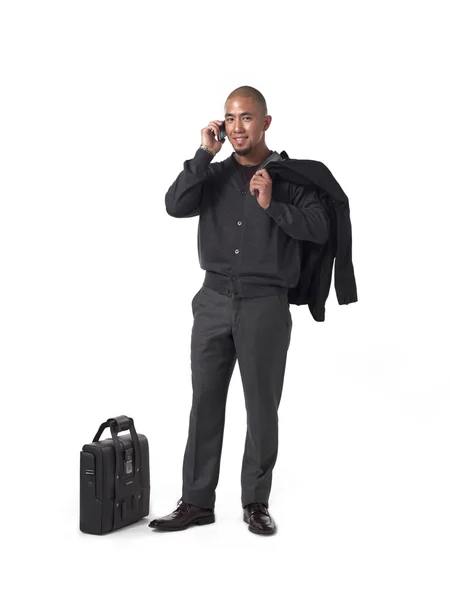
(245, 249)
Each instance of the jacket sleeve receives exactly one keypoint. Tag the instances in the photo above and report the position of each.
(184, 196)
(305, 219)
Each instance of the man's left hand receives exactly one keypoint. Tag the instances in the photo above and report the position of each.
(261, 185)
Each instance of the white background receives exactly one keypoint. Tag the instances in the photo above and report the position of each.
(101, 103)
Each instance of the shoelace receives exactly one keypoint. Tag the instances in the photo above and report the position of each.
(181, 506)
(255, 506)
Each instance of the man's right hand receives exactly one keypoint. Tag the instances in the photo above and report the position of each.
(208, 133)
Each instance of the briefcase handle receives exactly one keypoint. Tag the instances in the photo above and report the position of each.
(122, 423)
(116, 424)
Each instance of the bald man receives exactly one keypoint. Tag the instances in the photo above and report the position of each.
(248, 243)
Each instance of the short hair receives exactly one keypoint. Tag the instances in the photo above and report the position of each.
(247, 90)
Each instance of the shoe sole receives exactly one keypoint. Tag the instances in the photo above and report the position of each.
(259, 531)
(202, 521)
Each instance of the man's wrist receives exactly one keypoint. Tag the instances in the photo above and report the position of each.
(207, 149)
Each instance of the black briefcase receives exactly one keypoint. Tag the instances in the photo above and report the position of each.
(114, 478)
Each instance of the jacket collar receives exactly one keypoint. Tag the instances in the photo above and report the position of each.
(273, 157)
(229, 170)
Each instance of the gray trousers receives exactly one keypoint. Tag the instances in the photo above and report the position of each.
(256, 332)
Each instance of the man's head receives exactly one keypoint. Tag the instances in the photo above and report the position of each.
(246, 116)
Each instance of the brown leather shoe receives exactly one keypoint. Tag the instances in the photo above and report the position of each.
(183, 516)
(258, 518)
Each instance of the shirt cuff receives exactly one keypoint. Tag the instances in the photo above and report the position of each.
(202, 157)
(275, 210)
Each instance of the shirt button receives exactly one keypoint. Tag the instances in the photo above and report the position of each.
(233, 278)
(236, 251)
(239, 222)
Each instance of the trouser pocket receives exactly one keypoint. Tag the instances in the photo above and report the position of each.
(284, 305)
(195, 297)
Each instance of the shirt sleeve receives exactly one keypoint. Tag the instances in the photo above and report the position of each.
(305, 219)
(184, 196)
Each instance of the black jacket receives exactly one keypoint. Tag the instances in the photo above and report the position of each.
(317, 260)
(249, 251)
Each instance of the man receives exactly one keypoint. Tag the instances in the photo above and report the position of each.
(249, 231)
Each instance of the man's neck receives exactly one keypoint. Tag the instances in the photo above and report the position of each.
(252, 160)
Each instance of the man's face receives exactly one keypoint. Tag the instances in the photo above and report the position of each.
(244, 119)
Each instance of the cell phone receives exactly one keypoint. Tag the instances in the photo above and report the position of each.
(222, 132)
